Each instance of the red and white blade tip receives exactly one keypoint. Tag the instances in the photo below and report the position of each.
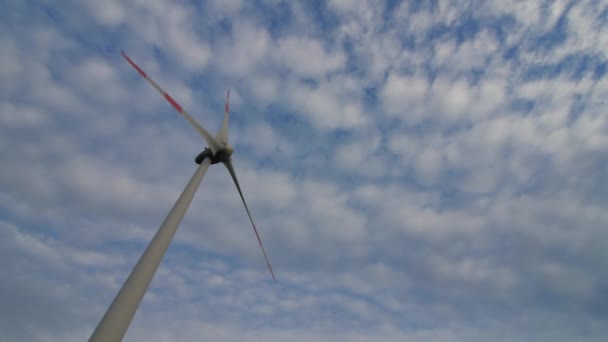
(141, 72)
(167, 97)
(227, 107)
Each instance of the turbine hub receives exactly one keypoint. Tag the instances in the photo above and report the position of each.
(222, 155)
(229, 149)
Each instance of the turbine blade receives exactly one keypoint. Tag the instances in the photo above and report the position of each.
(222, 136)
(238, 187)
(211, 141)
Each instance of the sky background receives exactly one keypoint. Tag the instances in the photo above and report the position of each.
(428, 171)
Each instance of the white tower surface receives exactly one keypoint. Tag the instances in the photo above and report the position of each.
(117, 318)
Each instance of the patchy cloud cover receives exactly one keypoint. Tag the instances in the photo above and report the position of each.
(419, 171)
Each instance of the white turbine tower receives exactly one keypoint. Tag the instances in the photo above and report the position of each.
(117, 318)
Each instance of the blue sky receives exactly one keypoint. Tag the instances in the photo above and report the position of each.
(418, 170)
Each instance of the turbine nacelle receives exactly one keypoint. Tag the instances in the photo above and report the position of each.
(221, 156)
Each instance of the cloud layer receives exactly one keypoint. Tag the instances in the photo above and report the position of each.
(418, 172)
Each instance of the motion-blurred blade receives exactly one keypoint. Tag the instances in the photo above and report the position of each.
(211, 141)
(238, 187)
(222, 136)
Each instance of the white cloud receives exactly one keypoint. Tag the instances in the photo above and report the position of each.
(428, 165)
(360, 155)
(420, 23)
(263, 138)
(474, 272)
(98, 80)
(227, 7)
(167, 24)
(343, 5)
(11, 66)
(568, 281)
(474, 53)
(325, 105)
(21, 116)
(109, 13)
(490, 95)
(403, 95)
(101, 185)
(454, 97)
(264, 88)
(526, 13)
(307, 57)
(249, 47)
(182, 39)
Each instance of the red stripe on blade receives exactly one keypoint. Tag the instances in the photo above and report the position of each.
(173, 103)
(141, 72)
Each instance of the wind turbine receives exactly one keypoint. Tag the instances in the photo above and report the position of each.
(117, 318)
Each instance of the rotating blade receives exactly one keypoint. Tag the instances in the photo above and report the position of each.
(230, 168)
(222, 136)
(211, 141)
